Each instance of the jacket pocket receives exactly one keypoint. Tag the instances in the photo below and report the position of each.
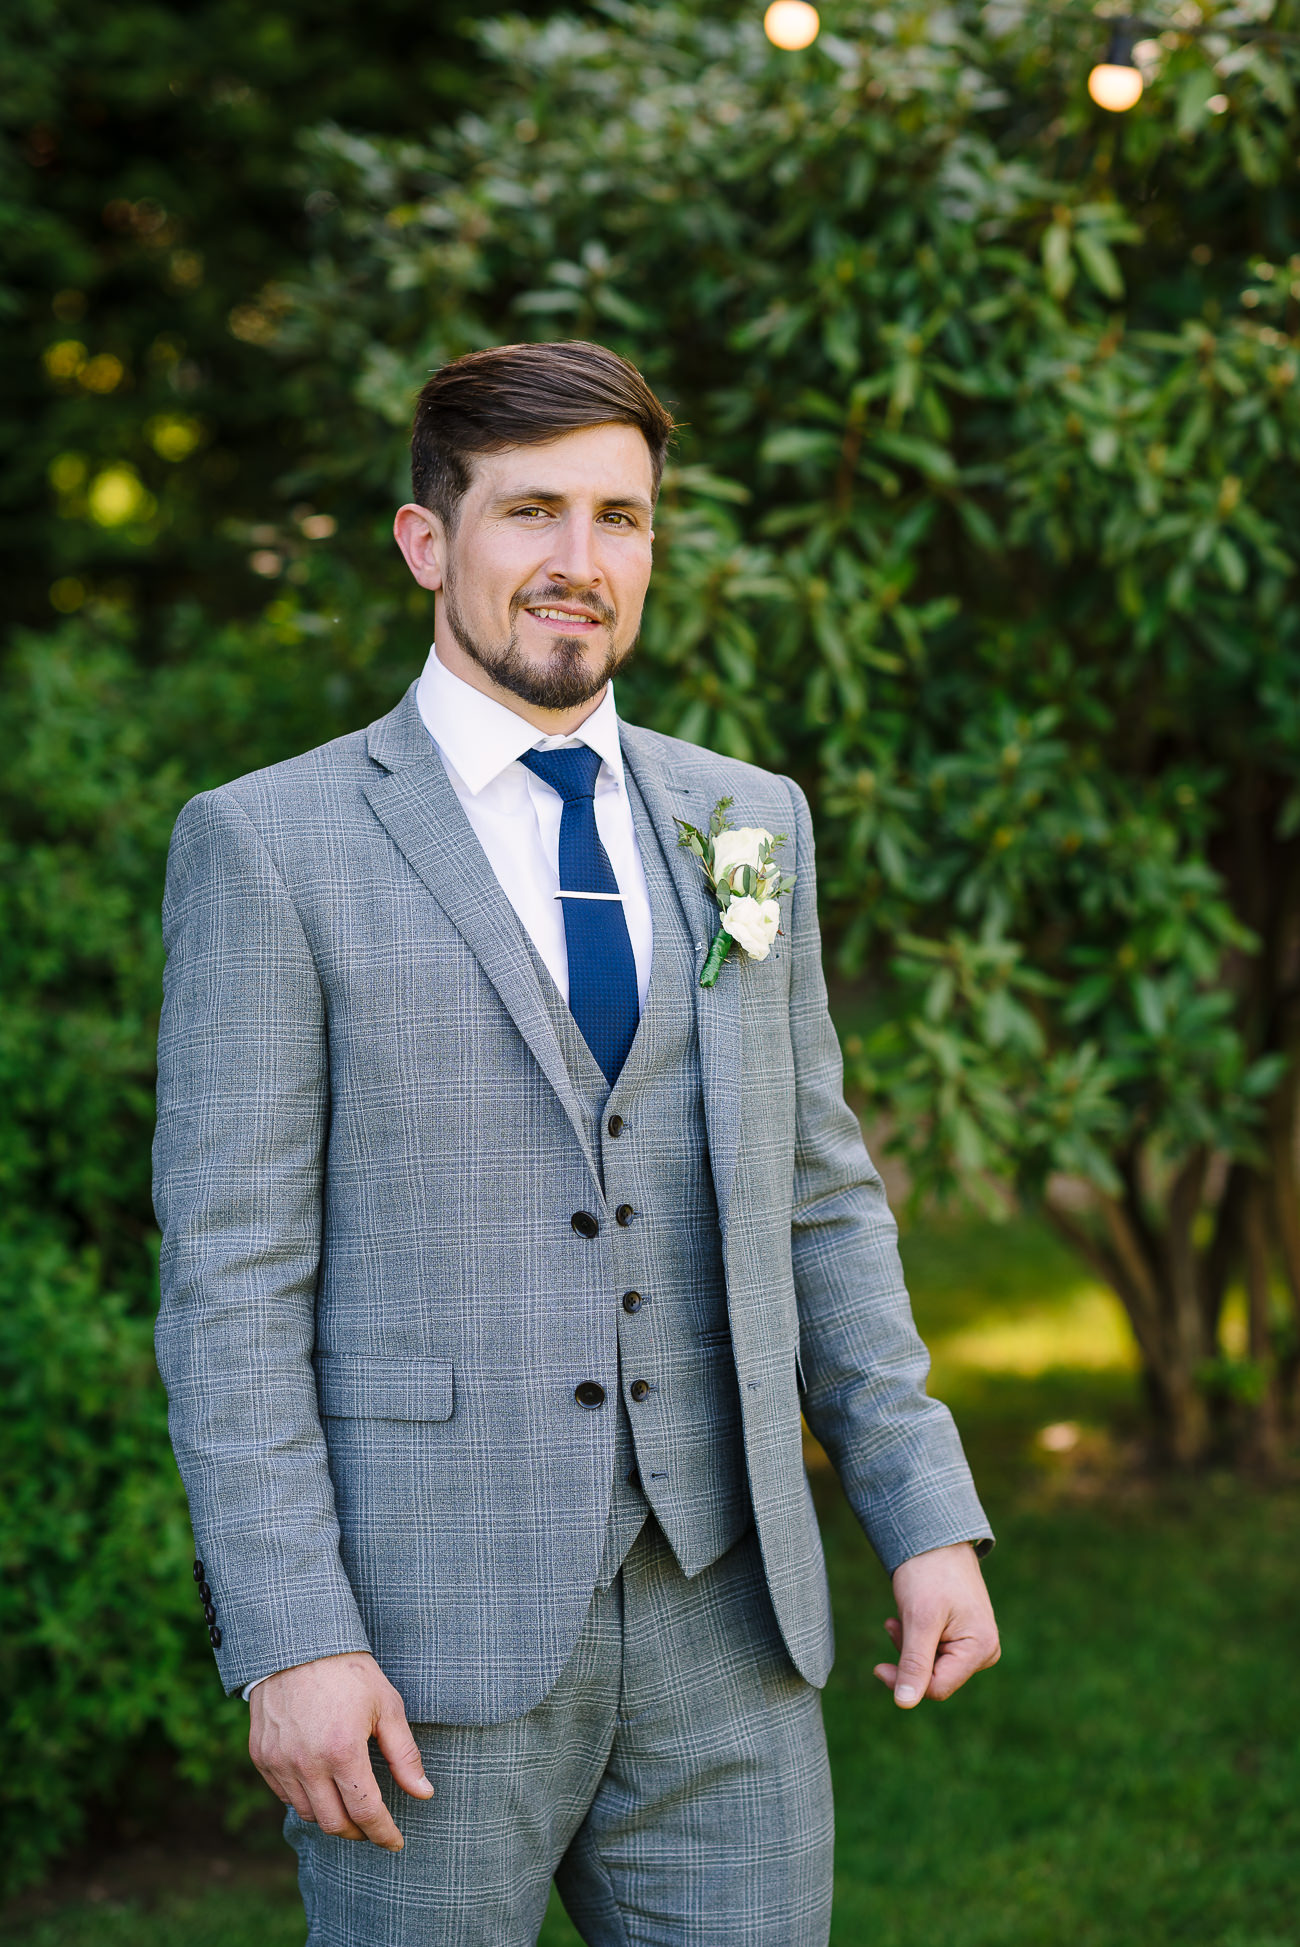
(352, 1386)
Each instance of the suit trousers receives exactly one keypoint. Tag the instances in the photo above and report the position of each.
(674, 1783)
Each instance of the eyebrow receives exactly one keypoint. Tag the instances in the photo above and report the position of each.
(633, 503)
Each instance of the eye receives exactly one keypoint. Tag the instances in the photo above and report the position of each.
(624, 520)
(530, 510)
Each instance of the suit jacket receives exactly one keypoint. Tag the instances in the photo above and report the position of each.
(376, 1307)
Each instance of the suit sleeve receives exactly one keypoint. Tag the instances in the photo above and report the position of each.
(895, 1449)
(239, 1157)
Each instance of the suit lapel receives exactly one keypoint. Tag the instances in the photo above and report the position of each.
(668, 795)
(412, 798)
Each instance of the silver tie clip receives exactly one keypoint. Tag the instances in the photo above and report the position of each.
(590, 895)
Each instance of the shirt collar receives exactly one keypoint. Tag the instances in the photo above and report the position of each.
(480, 737)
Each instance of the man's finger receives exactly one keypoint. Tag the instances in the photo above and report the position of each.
(958, 1660)
(360, 1795)
(288, 1790)
(328, 1811)
(393, 1736)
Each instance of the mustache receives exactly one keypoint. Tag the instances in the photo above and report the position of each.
(550, 596)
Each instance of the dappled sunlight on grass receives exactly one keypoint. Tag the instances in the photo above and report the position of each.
(1084, 1330)
(1023, 1343)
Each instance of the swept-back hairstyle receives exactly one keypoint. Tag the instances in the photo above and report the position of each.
(523, 395)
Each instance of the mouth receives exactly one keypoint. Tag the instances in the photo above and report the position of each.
(562, 620)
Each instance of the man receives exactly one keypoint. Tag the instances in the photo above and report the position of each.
(500, 1253)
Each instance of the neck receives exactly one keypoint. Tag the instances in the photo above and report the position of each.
(552, 723)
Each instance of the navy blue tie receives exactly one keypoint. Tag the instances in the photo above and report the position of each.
(602, 972)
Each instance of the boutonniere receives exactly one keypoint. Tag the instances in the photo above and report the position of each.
(745, 880)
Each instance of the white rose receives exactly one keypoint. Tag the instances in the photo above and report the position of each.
(752, 924)
(734, 849)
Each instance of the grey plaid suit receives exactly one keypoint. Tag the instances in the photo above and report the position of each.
(375, 1129)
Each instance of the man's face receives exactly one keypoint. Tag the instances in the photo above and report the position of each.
(542, 583)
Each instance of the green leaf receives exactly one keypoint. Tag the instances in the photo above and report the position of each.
(1058, 264)
(1099, 263)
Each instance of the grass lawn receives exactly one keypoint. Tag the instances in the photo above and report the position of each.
(1130, 1772)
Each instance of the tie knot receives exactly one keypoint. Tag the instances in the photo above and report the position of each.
(571, 772)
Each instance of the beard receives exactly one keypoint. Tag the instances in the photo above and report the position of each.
(567, 680)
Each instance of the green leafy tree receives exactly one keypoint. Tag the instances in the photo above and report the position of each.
(984, 526)
(149, 209)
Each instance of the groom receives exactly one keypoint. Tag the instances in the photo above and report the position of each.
(500, 1256)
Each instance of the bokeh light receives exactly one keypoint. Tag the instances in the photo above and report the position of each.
(791, 24)
(1115, 87)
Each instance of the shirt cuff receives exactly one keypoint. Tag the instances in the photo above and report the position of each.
(249, 1688)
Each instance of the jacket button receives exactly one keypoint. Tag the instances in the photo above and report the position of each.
(616, 1125)
(584, 1223)
(589, 1393)
(640, 1389)
(624, 1214)
(197, 1571)
(214, 1636)
(634, 1478)
(632, 1301)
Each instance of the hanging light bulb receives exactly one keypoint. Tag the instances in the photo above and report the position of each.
(1116, 82)
(791, 24)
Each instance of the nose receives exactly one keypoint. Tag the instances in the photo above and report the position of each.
(573, 558)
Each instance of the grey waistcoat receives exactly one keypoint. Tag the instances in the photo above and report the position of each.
(669, 1254)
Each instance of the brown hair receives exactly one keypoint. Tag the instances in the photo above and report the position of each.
(523, 395)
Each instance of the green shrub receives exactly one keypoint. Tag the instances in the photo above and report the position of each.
(102, 1649)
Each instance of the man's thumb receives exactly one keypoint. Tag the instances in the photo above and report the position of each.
(393, 1736)
(915, 1664)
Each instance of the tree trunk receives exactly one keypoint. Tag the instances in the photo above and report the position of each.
(1166, 1320)
(1263, 1437)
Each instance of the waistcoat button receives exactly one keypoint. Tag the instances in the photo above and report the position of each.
(624, 1214)
(589, 1393)
(616, 1125)
(632, 1301)
(640, 1389)
(585, 1224)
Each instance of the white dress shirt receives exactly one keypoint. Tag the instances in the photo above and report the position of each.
(516, 817)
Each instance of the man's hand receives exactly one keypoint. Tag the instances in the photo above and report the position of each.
(308, 1736)
(944, 1631)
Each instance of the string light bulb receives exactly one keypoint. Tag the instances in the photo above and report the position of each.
(791, 24)
(1116, 83)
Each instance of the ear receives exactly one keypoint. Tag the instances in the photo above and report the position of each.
(420, 535)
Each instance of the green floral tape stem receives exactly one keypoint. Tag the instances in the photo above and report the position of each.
(717, 954)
